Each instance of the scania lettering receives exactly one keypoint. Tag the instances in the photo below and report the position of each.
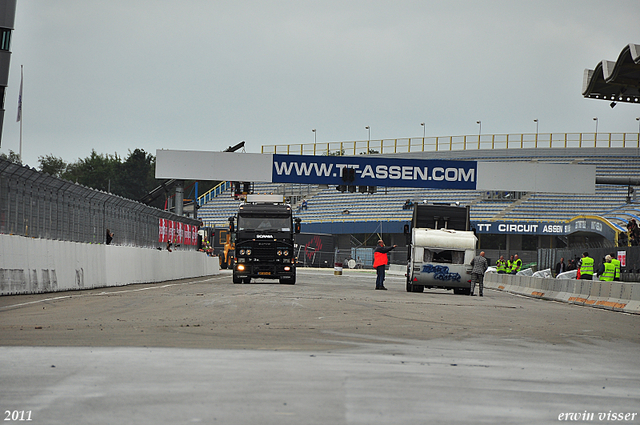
(441, 248)
(264, 245)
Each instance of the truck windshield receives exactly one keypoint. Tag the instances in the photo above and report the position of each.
(273, 224)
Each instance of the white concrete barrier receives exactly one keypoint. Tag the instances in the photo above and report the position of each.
(617, 296)
(41, 265)
(397, 269)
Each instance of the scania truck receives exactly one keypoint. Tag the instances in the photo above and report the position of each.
(264, 240)
(441, 248)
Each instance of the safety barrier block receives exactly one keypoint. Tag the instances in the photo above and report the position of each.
(614, 300)
(563, 288)
(599, 293)
(632, 294)
(581, 293)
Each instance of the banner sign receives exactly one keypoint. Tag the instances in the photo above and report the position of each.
(580, 224)
(163, 230)
(521, 228)
(375, 171)
(177, 233)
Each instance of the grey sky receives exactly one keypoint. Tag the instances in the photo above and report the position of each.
(203, 75)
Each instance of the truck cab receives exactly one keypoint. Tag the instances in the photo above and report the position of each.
(264, 245)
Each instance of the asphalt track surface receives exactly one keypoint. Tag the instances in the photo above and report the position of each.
(328, 350)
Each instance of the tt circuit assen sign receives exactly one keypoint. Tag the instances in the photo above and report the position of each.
(590, 224)
(369, 171)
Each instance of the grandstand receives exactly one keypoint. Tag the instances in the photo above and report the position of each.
(330, 211)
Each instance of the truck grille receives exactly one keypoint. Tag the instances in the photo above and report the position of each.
(264, 250)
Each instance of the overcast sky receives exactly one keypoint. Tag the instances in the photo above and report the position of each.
(206, 74)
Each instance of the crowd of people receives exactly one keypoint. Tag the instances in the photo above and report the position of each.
(609, 268)
(511, 266)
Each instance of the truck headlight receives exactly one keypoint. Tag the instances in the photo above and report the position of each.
(279, 253)
(242, 252)
(286, 253)
(240, 267)
(248, 252)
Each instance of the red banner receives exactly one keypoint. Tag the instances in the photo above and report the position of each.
(162, 230)
(171, 231)
(180, 227)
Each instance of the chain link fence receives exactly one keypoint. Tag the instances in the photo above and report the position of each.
(37, 205)
(548, 258)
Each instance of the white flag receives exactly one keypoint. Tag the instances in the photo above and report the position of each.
(20, 98)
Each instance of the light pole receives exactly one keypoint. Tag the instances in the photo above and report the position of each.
(369, 130)
(536, 121)
(479, 132)
(595, 139)
(314, 135)
(424, 130)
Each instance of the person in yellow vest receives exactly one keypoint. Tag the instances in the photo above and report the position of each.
(380, 260)
(616, 263)
(517, 264)
(586, 267)
(509, 264)
(608, 270)
(501, 265)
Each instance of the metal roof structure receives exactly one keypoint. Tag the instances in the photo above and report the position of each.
(617, 81)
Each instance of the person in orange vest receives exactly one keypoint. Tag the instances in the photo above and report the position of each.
(380, 260)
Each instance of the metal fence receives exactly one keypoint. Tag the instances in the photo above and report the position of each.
(37, 205)
(548, 258)
(454, 143)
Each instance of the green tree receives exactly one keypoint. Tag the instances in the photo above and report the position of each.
(136, 175)
(97, 171)
(52, 165)
(12, 157)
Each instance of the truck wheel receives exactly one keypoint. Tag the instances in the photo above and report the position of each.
(236, 279)
(288, 281)
(418, 288)
(246, 280)
(409, 287)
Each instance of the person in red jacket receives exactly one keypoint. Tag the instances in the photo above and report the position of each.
(380, 260)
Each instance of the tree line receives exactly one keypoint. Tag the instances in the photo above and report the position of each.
(132, 177)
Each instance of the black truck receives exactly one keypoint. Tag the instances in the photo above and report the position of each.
(264, 244)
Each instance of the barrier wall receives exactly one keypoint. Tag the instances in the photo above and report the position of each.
(617, 296)
(30, 265)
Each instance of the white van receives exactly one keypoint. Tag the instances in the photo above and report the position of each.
(441, 259)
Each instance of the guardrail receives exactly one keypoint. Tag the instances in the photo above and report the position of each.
(615, 296)
(469, 142)
(212, 193)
